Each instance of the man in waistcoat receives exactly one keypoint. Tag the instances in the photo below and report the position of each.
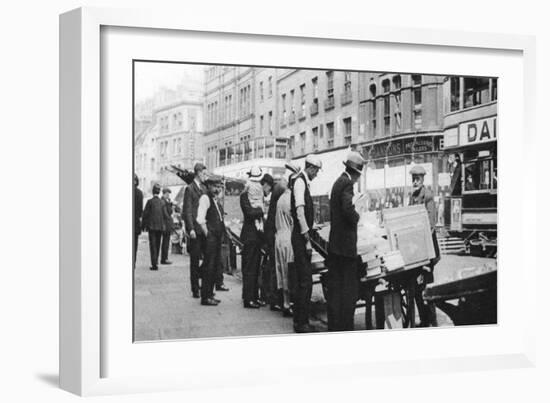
(210, 219)
(302, 214)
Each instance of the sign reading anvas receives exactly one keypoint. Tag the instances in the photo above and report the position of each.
(478, 131)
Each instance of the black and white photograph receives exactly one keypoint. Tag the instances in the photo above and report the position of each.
(271, 200)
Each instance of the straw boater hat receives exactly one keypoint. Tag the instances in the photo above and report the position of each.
(355, 161)
(313, 160)
(255, 174)
(292, 168)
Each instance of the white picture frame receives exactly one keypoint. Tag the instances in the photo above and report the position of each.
(85, 343)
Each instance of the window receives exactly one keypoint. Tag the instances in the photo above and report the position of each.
(261, 91)
(302, 142)
(494, 92)
(397, 97)
(455, 93)
(315, 133)
(330, 135)
(417, 100)
(330, 84)
(386, 101)
(270, 123)
(347, 81)
(315, 88)
(261, 125)
(292, 111)
(476, 91)
(303, 100)
(372, 90)
(347, 131)
(270, 86)
(283, 108)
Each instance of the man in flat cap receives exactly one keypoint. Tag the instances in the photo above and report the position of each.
(153, 221)
(210, 219)
(191, 197)
(423, 195)
(342, 247)
(168, 226)
(302, 214)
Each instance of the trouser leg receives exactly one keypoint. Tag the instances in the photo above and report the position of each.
(334, 291)
(154, 241)
(349, 294)
(194, 261)
(211, 261)
(302, 266)
(165, 248)
(136, 237)
(251, 263)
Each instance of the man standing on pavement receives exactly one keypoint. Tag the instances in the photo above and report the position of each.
(191, 197)
(138, 211)
(342, 247)
(302, 215)
(168, 227)
(210, 219)
(252, 239)
(153, 222)
(422, 195)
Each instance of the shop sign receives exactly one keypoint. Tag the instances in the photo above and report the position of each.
(395, 148)
(379, 150)
(478, 131)
(479, 218)
(418, 145)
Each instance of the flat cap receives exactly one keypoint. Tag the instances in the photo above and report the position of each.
(213, 180)
(166, 190)
(355, 161)
(417, 170)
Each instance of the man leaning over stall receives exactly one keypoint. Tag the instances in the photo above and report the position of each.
(343, 281)
(302, 214)
(423, 195)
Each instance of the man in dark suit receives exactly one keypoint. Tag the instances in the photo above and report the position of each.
(153, 222)
(193, 192)
(301, 205)
(138, 211)
(168, 227)
(342, 247)
(422, 195)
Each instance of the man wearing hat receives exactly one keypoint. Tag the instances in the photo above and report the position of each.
(191, 197)
(342, 247)
(168, 226)
(153, 221)
(422, 195)
(210, 219)
(302, 215)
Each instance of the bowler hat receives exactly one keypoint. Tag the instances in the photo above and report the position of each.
(355, 161)
(156, 188)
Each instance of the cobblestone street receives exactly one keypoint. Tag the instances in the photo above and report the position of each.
(165, 309)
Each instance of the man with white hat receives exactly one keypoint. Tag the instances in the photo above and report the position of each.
(302, 214)
(342, 247)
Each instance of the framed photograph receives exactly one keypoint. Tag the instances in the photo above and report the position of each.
(203, 171)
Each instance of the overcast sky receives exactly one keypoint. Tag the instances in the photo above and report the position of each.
(149, 76)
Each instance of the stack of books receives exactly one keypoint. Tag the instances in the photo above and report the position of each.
(393, 260)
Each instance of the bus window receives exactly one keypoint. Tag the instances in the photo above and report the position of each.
(471, 176)
(485, 174)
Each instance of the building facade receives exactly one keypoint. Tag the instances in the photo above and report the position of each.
(241, 121)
